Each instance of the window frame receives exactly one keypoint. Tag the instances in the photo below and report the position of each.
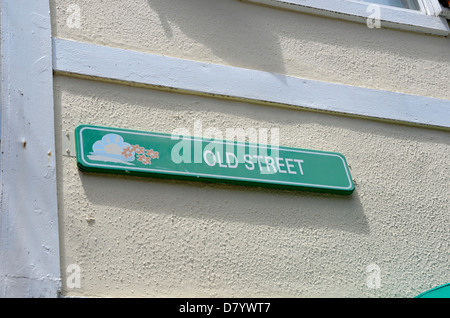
(428, 20)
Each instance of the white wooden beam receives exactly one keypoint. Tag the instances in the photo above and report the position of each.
(101, 62)
(29, 239)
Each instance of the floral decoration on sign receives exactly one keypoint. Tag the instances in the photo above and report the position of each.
(113, 148)
(144, 155)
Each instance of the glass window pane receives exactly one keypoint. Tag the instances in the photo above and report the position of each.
(407, 4)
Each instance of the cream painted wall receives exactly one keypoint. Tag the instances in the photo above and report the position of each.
(246, 35)
(151, 238)
(163, 238)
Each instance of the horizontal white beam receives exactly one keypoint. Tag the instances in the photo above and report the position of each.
(88, 60)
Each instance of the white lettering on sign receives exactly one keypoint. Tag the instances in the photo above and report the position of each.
(265, 164)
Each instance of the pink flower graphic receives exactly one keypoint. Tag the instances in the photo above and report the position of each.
(153, 154)
(144, 155)
(139, 150)
(144, 159)
(127, 152)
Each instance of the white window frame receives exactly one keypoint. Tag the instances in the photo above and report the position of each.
(428, 20)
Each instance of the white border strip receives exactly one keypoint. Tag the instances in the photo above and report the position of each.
(356, 11)
(190, 76)
(29, 236)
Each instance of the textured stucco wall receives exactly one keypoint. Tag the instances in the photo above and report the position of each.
(147, 237)
(247, 35)
(163, 238)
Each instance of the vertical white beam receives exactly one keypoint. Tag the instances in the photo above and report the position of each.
(29, 240)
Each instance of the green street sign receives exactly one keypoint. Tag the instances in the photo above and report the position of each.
(139, 153)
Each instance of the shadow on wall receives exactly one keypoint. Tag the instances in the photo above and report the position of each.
(134, 195)
(232, 39)
(152, 110)
(248, 35)
(269, 207)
